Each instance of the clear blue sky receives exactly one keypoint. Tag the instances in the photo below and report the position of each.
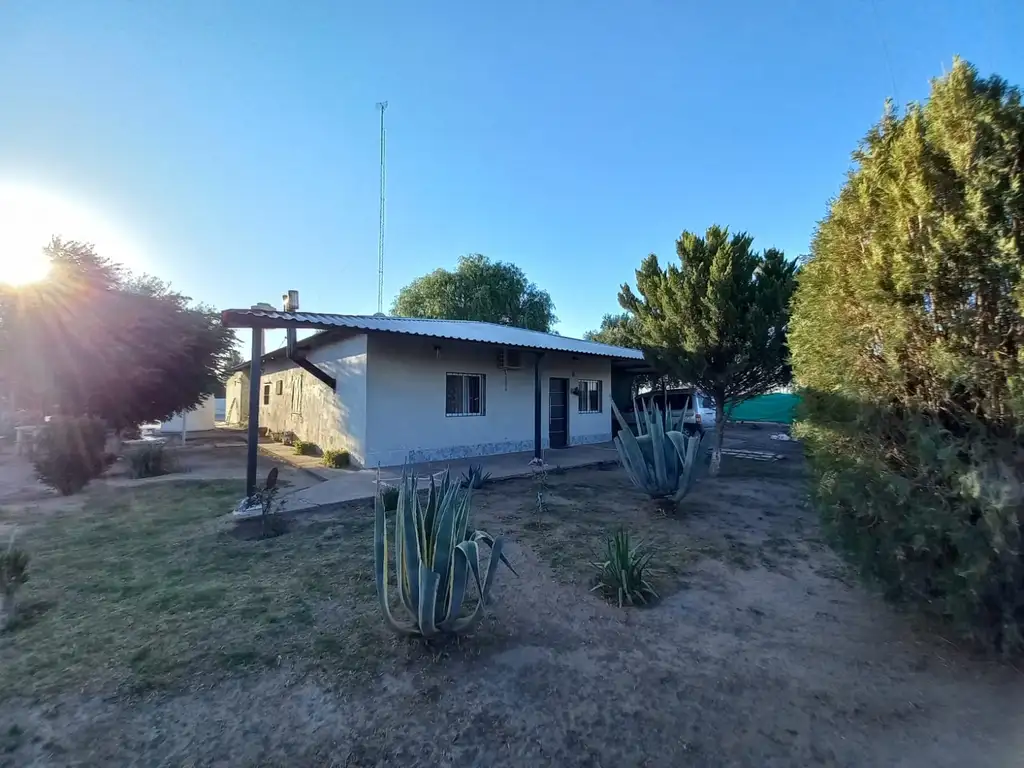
(238, 141)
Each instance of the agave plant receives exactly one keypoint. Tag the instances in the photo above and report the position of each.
(660, 462)
(621, 573)
(435, 553)
(475, 477)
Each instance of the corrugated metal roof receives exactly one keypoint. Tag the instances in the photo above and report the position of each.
(466, 330)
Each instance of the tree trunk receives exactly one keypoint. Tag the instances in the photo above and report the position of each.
(716, 451)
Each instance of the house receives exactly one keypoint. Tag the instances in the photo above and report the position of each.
(392, 389)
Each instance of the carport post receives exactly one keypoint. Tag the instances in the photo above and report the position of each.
(537, 401)
(255, 365)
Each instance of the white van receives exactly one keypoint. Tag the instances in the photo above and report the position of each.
(696, 411)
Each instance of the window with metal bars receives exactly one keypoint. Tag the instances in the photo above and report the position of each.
(589, 396)
(464, 394)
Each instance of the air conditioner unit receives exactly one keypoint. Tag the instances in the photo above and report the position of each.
(510, 359)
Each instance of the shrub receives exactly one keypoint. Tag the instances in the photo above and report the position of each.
(389, 496)
(336, 459)
(475, 477)
(621, 573)
(305, 448)
(436, 552)
(907, 336)
(150, 460)
(13, 574)
(67, 452)
(660, 463)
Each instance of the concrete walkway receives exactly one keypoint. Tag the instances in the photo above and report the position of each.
(314, 465)
(359, 484)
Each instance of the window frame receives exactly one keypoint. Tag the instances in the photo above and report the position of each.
(279, 389)
(465, 397)
(587, 387)
(266, 394)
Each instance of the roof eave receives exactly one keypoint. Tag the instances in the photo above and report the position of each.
(265, 319)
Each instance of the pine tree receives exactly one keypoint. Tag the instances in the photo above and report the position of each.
(717, 320)
(907, 337)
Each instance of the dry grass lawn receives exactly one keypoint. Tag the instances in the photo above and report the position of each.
(154, 636)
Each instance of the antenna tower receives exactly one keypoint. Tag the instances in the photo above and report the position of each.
(381, 105)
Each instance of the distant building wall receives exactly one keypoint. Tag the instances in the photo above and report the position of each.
(293, 400)
(197, 420)
(236, 396)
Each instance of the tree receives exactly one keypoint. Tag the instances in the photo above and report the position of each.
(618, 330)
(232, 359)
(908, 339)
(478, 289)
(94, 339)
(621, 330)
(718, 320)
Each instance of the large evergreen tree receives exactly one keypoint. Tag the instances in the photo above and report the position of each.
(717, 320)
(478, 289)
(908, 336)
(93, 339)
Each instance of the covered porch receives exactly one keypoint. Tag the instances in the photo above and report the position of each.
(344, 485)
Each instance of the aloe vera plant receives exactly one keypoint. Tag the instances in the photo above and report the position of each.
(659, 461)
(436, 552)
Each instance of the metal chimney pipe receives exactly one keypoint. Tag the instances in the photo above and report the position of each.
(291, 304)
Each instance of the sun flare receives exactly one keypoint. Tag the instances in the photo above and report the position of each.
(30, 216)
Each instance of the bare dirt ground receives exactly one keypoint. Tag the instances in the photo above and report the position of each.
(762, 651)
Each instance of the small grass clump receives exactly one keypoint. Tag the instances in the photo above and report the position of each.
(336, 459)
(622, 573)
(389, 495)
(13, 575)
(305, 448)
(149, 461)
(475, 477)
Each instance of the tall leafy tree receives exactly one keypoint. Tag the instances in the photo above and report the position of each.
(478, 289)
(908, 339)
(621, 330)
(718, 319)
(94, 339)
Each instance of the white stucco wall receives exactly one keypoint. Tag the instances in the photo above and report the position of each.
(332, 420)
(236, 398)
(198, 419)
(405, 400)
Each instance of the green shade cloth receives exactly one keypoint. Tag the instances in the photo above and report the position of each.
(779, 407)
